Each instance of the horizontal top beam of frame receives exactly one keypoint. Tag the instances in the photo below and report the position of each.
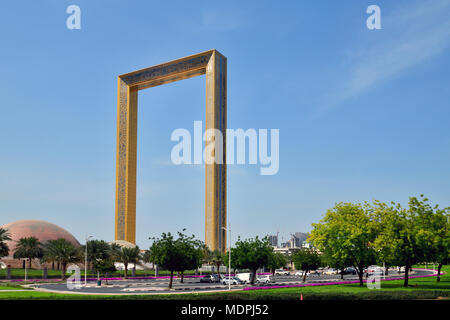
(175, 70)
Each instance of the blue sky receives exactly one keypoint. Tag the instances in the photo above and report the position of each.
(363, 114)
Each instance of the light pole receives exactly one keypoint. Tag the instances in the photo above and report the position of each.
(229, 255)
(85, 261)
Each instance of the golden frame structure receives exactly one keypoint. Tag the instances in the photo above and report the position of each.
(214, 66)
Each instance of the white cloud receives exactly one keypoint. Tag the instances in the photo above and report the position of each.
(409, 37)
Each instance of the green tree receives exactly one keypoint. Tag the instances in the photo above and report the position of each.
(433, 232)
(126, 256)
(147, 257)
(402, 236)
(336, 263)
(442, 244)
(97, 250)
(218, 259)
(164, 253)
(63, 252)
(4, 236)
(306, 259)
(176, 254)
(276, 260)
(103, 266)
(207, 255)
(345, 234)
(191, 251)
(251, 254)
(381, 216)
(100, 256)
(28, 248)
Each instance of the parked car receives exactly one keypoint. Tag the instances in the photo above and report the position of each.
(320, 271)
(206, 279)
(215, 278)
(300, 273)
(263, 279)
(210, 278)
(232, 280)
(330, 272)
(281, 272)
(349, 270)
(374, 270)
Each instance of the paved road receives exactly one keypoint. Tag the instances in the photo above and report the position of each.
(145, 286)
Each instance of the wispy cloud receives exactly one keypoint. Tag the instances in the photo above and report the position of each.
(410, 36)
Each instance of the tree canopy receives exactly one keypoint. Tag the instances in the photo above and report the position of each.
(179, 254)
(411, 235)
(253, 253)
(346, 234)
(4, 236)
(306, 259)
(28, 248)
(276, 260)
(126, 256)
(364, 234)
(63, 252)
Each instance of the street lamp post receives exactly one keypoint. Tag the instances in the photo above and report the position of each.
(229, 255)
(85, 261)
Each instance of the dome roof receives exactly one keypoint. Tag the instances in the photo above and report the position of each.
(42, 230)
(123, 243)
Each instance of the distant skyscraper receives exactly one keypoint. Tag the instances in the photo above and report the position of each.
(297, 239)
(273, 240)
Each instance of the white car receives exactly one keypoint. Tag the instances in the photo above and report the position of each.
(300, 273)
(374, 270)
(232, 280)
(400, 269)
(263, 279)
(281, 272)
(330, 272)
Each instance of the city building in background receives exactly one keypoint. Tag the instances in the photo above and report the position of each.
(273, 240)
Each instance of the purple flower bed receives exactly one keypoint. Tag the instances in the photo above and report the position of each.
(336, 283)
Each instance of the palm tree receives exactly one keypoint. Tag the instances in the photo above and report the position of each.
(28, 248)
(147, 258)
(63, 252)
(97, 250)
(4, 236)
(207, 255)
(217, 259)
(126, 256)
(99, 256)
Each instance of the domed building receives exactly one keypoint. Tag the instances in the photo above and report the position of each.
(42, 230)
(123, 243)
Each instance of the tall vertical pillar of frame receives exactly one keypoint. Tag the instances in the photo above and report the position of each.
(125, 226)
(216, 175)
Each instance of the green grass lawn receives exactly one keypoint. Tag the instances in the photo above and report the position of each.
(421, 288)
(12, 286)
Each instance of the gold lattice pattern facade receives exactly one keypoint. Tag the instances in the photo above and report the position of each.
(214, 66)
